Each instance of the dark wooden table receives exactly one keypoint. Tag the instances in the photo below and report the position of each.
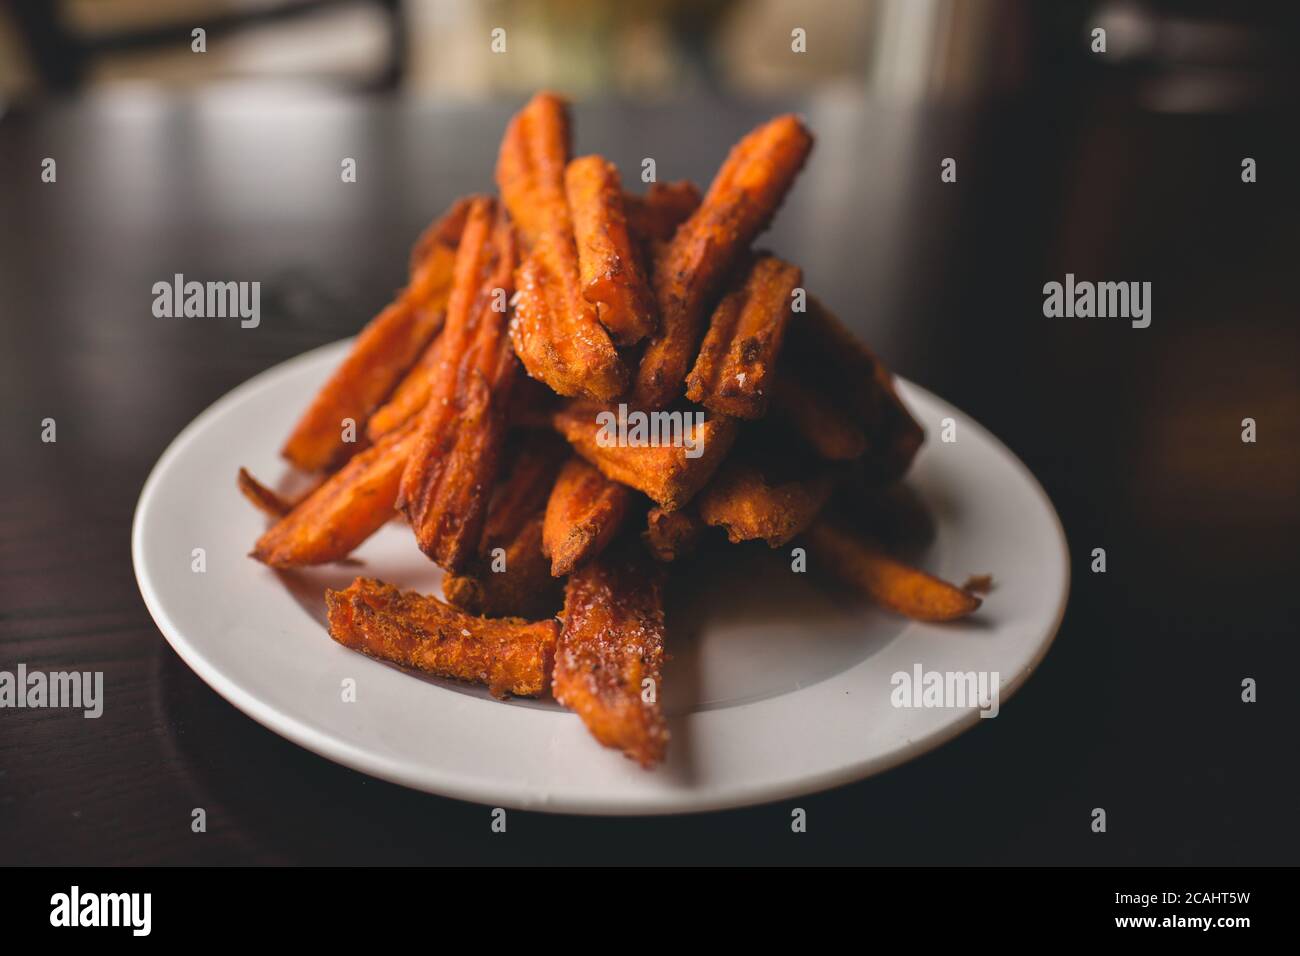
(1134, 433)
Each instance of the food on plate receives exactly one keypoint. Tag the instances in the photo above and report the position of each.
(670, 474)
(740, 203)
(736, 367)
(494, 407)
(509, 655)
(609, 661)
(670, 535)
(609, 264)
(384, 351)
(583, 515)
(889, 582)
(556, 332)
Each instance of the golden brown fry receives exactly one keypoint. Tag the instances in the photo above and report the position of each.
(609, 264)
(530, 167)
(443, 236)
(270, 503)
(670, 535)
(736, 367)
(555, 331)
(817, 418)
(381, 355)
(655, 216)
(610, 647)
(511, 576)
(828, 368)
(739, 204)
(484, 263)
(583, 515)
(741, 500)
(666, 472)
(510, 656)
(349, 507)
(886, 580)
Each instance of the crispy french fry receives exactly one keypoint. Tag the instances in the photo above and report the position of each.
(382, 354)
(886, 580)
(610, 645)
(443, 236)
(510, 655)
(666, 472)
(530, 167)
(511, 576)
(609, 263)
(738, 206)
(817, 418)
(655, 216)
(583, 515)
(670, 535)
(484, 263)
(556, 332)
(736, 367)
(269, 502)
(349, 507)
(833, 378)
(750, 507)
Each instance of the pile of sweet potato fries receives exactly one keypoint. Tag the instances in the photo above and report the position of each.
(473, 406)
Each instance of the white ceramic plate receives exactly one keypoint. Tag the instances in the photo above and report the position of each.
(777, 686)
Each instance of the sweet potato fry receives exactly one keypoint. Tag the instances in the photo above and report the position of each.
(828, 368)
(610, 654)
(670, 473)
(349, 507)
(886, 580)
(583, 515)
(511, 576)
(738, 206)
(609, 263)
(269, 502)
(670, 535)
(743, 501)
(817, 418)
(735, 369)
(655, 216)
(510, 655)
(484, 263)
(383, 352)
(530, 167)
(555, 330)
(443, 236)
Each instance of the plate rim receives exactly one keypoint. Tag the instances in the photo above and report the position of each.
(357, 758)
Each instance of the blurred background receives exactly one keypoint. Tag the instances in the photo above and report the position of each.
(1177, 54)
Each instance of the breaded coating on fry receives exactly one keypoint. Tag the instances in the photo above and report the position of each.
(828, 378)
(349, 507)
(485, 262)
(736, 367)
(750, 507)
(453, 467)
(670, 535)
(381, 355)
(608, 666)
(609, 264)
(510, 576)
(555, 330)
(510, 656)
(670, 474)
(889, 582)
(738, 206)
(583, 515)
(655, 216)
